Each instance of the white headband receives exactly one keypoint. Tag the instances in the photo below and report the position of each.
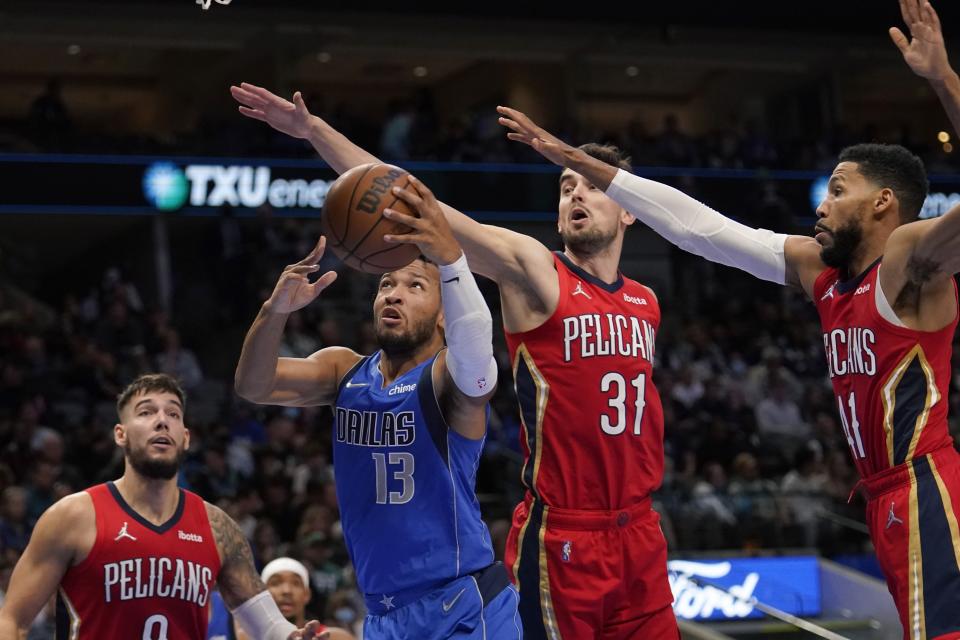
(285, 564)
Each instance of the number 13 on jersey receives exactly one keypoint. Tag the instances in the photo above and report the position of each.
(616, 386)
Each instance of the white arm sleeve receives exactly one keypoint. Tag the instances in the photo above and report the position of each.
(695, 227)
(261, 618)
(469, 330)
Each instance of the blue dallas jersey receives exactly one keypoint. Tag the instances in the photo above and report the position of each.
(405, 483)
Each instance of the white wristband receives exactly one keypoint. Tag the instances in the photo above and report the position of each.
(469, 330)
(260, 618)
(695, 227)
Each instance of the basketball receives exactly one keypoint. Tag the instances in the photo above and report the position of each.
(353, 222)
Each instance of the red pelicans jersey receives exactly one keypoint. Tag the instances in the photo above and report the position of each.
(890, 382)
(592, 422)
(141, 580)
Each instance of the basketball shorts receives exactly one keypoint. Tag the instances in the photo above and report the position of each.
(912, 514)
(586, 575)
(479, 606)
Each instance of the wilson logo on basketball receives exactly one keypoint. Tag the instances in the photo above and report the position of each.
(190, 537)
(370, 200)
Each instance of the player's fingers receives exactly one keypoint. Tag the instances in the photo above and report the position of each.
(930, 16)
(424, 191)
(240, 95)
(267, 96)
(513, 114)
(256, 114)
(403, 238)
(522, 119)
(510, 124)
(299, 104)
(912, 11)
(312, 631)
(899, 39)
(411, 198)
(246, 97)
(256, 90)
(324, 281)
(519, 137)
(411, 221)
(303, 269)
(315, 253)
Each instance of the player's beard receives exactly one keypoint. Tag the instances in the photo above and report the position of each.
(153, 468)
(846, 242)
(401, 343)
(589, 241)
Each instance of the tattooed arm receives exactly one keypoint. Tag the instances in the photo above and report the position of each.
(239, 580)
(919, 261)
(242, 589)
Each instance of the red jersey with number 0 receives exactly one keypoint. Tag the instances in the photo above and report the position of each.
(890, 382)
(140, 580)
(592, 422)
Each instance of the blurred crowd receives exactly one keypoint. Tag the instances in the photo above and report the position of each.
(414, 128)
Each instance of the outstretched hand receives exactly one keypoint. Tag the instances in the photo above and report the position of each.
(431, 231)
(294, 289)
(525, 130)
(291, 118)
(925, 52)
(309, 632)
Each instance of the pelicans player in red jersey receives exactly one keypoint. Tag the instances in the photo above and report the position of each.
(586, 550)
(883, 283)
(138, 557)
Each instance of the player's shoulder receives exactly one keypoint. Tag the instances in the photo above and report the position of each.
(73, 507)
(69, 524)
(344, 354)
(341, 359)
(221, 524)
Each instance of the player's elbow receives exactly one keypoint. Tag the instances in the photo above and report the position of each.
(249, 390)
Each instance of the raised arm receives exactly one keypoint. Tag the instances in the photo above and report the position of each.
(468, 370)
(678, 218)
(926, 54)
(497, 253)
(264, 377)
(56, 542)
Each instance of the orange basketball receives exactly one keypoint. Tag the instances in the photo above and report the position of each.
(353, 222)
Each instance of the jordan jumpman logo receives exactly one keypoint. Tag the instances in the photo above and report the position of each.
(123, 533)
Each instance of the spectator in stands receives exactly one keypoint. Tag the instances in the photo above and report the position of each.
(179, 362)
(804, 492)
(15, 526)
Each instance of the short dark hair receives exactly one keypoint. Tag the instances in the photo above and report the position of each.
(151, 382)
(894, 167)
(611, 154)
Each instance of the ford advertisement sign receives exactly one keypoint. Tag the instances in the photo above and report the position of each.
(728, 589)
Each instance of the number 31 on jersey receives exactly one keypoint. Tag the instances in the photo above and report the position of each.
(614, 384)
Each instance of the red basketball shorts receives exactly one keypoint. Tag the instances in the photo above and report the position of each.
(586, 575)
(912, 514)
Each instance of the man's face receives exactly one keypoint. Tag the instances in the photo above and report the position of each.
(842, 214)
(152, 434)
(589, 221)
(407, 311)
(290, 593)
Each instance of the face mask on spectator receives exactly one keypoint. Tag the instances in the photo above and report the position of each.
(345, 615)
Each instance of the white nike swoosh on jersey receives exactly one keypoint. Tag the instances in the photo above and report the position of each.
(350, 385)
(448, 605)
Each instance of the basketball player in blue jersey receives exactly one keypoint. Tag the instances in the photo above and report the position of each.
(410, 422)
